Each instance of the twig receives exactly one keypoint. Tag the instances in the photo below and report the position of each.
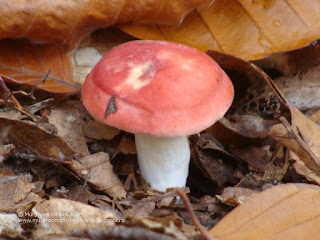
(30, 73)
(37, 84)
(9, 97)
(193, 217)
(298, 138)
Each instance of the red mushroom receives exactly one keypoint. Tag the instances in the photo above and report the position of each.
(161, 92)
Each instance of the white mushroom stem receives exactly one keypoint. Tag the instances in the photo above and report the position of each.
(163, 161)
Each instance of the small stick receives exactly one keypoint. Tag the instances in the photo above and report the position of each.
(39, 83)
(193, 217)
(294, 132)
(298, 138)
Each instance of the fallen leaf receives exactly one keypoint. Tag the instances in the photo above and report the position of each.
(214, 161)
(302, 90)
(270, 26)
(90, 127)
(275, 173)
(65, 23)
(291, 63)
(301, 169)
(61, 216)
(127, 146)
(15, 191)
(256, 157)
(165, 225)
(236, 195)
(97, 170)
(305, 142)
(142, 209)
(301, 135)
(24, 64)
(289, 211)
(32, 142)
(4, 150)
(67, 121)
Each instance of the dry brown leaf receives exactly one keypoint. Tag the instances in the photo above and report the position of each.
(214, 161)
(292, 62)
(67, 121)
(90, 127)
(24, 64)
(301, 168)
(32, 142)
(236, 195)
(305, 142)
(165, 224)
(246, 29)
(302, 90)
(97, 170)
(127, 146)
(61, 216)
(66, 22)
(289, 211)
(301, 135)
(256, 157)
(17, 190)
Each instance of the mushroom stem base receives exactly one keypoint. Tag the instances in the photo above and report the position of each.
(163, 161)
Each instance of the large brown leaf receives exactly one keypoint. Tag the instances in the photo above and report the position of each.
(243, 28)
(65, 22)
(24, 64)
(290, 211)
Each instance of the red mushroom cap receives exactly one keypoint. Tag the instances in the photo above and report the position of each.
(157, 87)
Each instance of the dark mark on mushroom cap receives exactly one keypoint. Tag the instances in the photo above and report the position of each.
(112, 107)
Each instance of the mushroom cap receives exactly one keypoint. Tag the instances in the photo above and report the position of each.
(157, 87)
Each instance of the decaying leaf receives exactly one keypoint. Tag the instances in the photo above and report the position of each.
(302, 91)
(289, 211)
(256, 157)
(4, 150)
(32, 142)
(275, 173)
(301, 168)
(97, 170)
(215, 162)
(90, 127)
(61, 216)
(17, 190)
(163, 224)
(67, 22)
(236, 195)
(269, 26)
(291, 63)
(302, 137)
(67, 121)
(24, 64)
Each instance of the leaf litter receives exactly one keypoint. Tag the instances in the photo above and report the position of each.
(53, 164)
